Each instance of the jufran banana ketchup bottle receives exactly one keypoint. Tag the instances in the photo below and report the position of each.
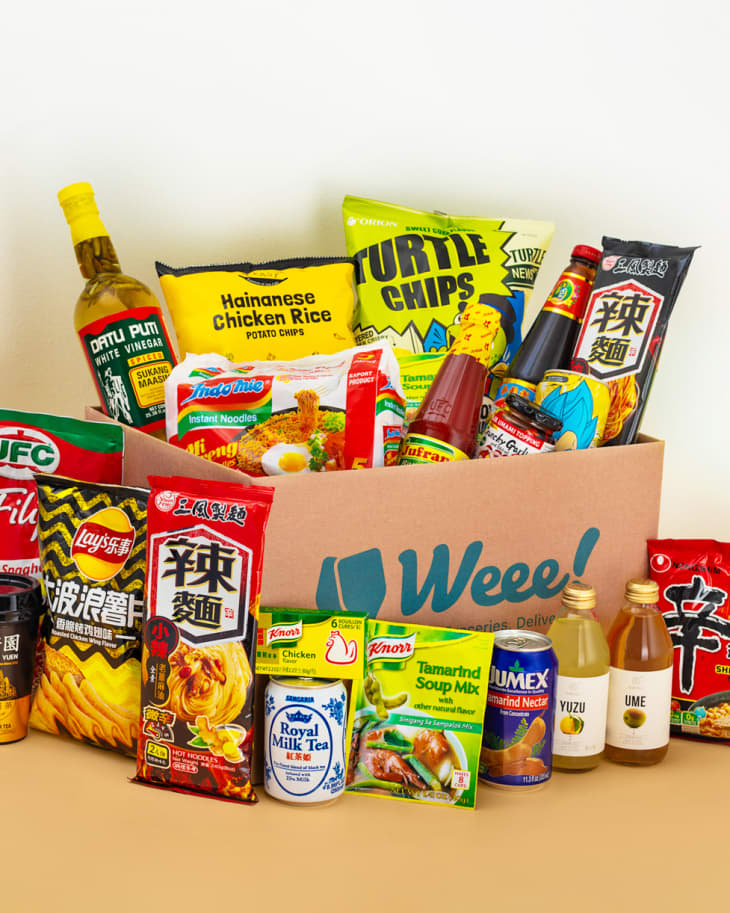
(640, 683)
(119, 322)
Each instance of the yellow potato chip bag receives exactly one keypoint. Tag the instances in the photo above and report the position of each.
(281, 310)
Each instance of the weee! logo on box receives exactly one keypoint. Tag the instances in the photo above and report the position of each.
(357, 583)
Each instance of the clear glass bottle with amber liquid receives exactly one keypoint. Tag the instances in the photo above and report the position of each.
(640, 683)
(581, 695)
(119, 322)
(550, 340)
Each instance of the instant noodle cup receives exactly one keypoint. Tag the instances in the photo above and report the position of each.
(246, 311)
(417, 271)
(93, 542)
(206, 542)
(20, 609)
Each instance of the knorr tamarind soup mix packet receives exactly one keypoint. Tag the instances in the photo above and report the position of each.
(417, 271)
(253, 312)
(419, 713)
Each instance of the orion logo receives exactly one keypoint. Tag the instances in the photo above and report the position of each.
(352, 220)
(385, 648)
(277, 633)
(357, 583)
(24, 451)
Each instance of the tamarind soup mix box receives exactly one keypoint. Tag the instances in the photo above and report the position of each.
(311, 644)
(478, 544)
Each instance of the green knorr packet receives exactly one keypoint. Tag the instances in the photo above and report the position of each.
(419, 713)
(417, 271)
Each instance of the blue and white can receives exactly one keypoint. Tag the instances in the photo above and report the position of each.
(304, 739)
(517, 741)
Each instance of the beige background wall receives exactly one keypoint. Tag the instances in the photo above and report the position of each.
(233, 132)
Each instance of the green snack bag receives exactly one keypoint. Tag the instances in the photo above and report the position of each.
(417, 271)
(419, 713)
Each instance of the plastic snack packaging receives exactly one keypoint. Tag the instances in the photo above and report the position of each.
(246, 311)
(206, 546)
(35, 442)
(417, 271)
(419, 714)
(321, 413)
(625, 323)
(694, 598)
(93, 554)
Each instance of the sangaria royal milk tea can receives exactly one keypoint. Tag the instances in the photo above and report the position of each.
(304, 739)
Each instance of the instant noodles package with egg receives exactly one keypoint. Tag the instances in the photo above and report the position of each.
(325, 412)
(417, 271)
(282, 309)
(206, 549)
(93, 556)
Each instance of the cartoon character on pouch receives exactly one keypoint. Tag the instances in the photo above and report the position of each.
(116, 396)
(340, 651)
(510, 309)
(575, 409)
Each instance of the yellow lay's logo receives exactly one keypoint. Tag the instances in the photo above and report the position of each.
(103, 543)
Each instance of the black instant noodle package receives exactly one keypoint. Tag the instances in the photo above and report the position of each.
(205, 547)
(625, 324)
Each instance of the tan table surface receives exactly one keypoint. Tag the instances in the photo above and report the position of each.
(77, 836)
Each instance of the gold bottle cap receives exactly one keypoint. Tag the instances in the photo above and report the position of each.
(81, 211)
(577, 595)
(642, 590)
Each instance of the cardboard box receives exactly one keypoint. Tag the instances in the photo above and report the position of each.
(484, 544)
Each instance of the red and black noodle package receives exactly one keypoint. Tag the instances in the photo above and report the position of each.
(694, 596)
(205, 553)
(625, 324)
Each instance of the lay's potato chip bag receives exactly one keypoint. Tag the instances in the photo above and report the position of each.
(283, 309)
(93, 548)
(417, 271)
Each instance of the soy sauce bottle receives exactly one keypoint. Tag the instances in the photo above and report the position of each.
(640, 679)
(550, 340)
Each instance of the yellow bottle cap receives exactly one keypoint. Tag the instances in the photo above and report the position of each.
(577, 595)
(643, 591)
(82, 213)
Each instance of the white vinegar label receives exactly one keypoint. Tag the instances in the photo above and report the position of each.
(580, 715)
(638, 708)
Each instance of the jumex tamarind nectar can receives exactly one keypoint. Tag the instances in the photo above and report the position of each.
(518, 724)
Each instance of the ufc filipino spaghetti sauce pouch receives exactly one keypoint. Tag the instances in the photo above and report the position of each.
(206, 546)
(34, 442)
(417, 271)
(325, 412)
(93, 555)
(282, 309)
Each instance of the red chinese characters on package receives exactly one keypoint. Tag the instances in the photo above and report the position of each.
(205, 554)
(694, 597)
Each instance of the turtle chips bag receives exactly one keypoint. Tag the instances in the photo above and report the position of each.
(417, 271)
(206, 548)
(93, 558)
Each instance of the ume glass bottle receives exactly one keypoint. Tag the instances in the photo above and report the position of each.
(640, 685)
(118, 320)
(582, 686)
